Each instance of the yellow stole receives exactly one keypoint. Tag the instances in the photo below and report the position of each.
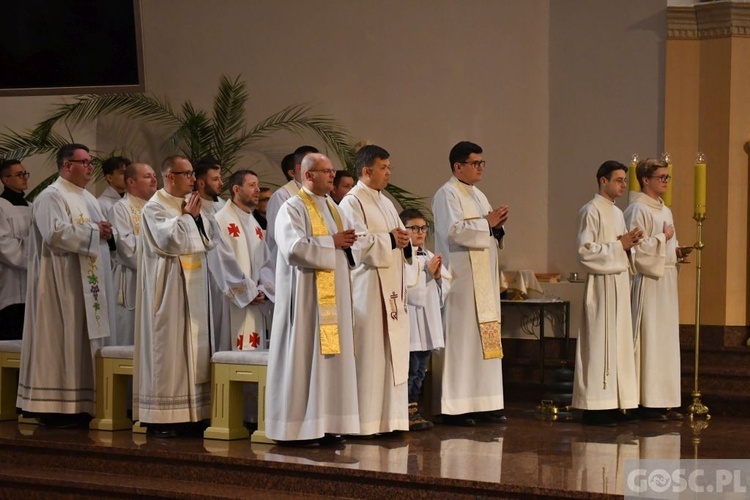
(325, 279)
(481, 272)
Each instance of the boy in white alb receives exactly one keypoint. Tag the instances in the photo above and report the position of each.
(427, 284)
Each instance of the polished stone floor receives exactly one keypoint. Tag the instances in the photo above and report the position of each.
(528, 452)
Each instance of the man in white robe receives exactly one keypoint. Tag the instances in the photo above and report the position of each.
(278, 198)
(140, 183)
(381, 320)
(228, 282)
(656, 320)
(15, 221)
(114, 173)
(67, 304)
(244, 236)
(311, 393)
(172, 372)
(468, 233)
(605, 377)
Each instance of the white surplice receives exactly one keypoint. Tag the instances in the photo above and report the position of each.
(309, 394)
(656, 315)
(125, 216)
(277, 199)
(107, 200)
(424, 299)
(605, 375)
(382, 346)
(244, 236)
(57, 357)
(465, 382)
(15, 222)
(173, 315)
(227, 283)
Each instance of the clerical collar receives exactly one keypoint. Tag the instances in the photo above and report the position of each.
(376, 191)
(323, 197)
(464, 183)
(14, 197)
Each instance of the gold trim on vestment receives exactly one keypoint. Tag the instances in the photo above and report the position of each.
(325, 281)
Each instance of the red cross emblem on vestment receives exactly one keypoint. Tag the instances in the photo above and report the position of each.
(254, 339)
(234, 230)
(259, 232)
(239, 342)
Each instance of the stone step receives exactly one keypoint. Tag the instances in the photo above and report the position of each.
(17, 482)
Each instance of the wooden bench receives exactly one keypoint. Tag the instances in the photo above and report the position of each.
(229, 371)
(10, 364)
(114, 368)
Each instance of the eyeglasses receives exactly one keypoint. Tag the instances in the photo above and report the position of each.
(418, 229)
(19, 175)
(475, 164)
(85, 163)
(187, 174)
(663, 178)
(327, 171)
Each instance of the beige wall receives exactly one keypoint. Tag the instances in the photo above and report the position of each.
(549, 88)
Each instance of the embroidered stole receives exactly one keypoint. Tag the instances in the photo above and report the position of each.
(196, 297)
(481, 272)
(92, 277)
(392, 283)
(247, 324)
(134, 206)
(325, 279)
(291, 187)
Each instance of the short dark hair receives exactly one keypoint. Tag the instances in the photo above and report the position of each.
(114, 163)
(340, 174)
(303, 151)
(169, 162)
(411, 213)
(205, 164)
(6, 164)
(461, 151)
(367, 155)
(606, 169)
(287, 164)
(647, 167)
(66, 152)
(237, 179)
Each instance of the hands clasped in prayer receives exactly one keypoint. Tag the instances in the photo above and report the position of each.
(498, 216)
(105, 230)
(631, 238)
(344, 239)
(434, 266)
(193, 205)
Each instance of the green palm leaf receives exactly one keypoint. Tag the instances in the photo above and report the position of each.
(228, 121)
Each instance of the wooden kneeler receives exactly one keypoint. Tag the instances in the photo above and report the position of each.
(10, 365)
(229, 371)
(114, 366)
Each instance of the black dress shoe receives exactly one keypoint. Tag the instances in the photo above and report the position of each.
(600, 418)
(651, 414)
(332, 439)
(300, 443)
(464, 420)
(495, 417)
(164, 431)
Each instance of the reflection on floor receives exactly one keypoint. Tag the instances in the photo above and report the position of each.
(525, 457)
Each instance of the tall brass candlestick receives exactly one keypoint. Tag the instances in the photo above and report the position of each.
(698, 409)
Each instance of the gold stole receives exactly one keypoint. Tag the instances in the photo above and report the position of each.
(325, 279)
(484, 293)
(92, 279)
